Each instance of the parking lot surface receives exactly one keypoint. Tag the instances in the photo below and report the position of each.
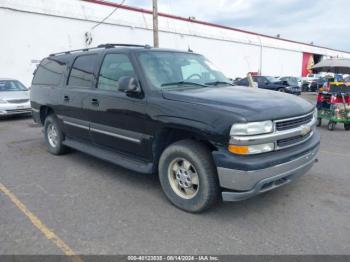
(99, 208)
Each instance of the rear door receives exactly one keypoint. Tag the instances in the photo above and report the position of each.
(118, 122)
(82, 78)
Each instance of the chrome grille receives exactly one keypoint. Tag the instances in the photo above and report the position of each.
(293, 122)
(291, 141)
(18, 101)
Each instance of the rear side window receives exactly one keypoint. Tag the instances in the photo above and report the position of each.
(82, 73)
(114, 67)
(243, 82)
(49, 72)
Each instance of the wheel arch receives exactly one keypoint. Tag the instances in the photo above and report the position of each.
(169, 135)
(44, 112)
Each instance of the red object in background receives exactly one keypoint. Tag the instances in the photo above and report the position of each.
(333, 99)
(337, 99)
(308, 62)
(253, 73)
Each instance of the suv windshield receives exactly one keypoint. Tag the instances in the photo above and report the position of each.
(174, 69)
(11, 85)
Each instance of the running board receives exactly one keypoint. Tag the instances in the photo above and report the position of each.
(115, 158)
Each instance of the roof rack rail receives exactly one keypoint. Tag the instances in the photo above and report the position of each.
(99, 47)
(109, 45)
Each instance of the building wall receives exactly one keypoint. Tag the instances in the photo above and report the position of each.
(277, 62)
(32, 29)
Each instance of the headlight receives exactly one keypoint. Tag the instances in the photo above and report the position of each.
(2, 101)
(252, 149)
(252, 128)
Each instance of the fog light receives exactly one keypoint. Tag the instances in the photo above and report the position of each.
(252, 149)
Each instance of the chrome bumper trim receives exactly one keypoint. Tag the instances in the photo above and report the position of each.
(240, 180)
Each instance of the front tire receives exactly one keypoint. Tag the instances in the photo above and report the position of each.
(54, 136)
(188, 176)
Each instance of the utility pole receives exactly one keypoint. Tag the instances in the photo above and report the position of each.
(155, 24)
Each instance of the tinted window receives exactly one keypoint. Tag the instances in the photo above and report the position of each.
(49, 72)
(114, 67)
(259, 80)
(243, 82)
(82, 74)
(270, 79)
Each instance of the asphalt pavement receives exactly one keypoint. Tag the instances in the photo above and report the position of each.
(95, 207)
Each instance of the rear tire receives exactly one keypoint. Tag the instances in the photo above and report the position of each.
(54, 136)
(347, 126)
(184, 159)
(331, 125)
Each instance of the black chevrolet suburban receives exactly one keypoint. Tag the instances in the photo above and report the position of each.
(169, 112)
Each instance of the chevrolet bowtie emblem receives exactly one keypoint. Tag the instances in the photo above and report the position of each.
(305, 130)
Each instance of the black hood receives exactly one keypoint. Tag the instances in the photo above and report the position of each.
(253, 104)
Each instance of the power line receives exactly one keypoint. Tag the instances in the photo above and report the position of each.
(108, 16)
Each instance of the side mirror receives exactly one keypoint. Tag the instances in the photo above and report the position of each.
(129, 85)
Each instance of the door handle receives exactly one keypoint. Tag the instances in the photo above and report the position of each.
(66, 98)
(94, 102)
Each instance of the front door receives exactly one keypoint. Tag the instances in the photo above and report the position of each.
(117, 121)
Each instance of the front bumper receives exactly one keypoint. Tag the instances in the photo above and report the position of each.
(9, 109)
(242, 179)
(11, 112)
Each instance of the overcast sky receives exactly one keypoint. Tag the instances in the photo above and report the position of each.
(323, 22)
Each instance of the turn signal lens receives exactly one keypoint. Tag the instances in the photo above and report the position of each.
(240, 150)
(252, 149)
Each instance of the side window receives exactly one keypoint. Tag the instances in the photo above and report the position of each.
(114, 67)
(261, 80)
(243, 82)
(82, 74)
(49, 72)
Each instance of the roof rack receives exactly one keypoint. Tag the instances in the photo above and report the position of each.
(99, 47)
(109, 45)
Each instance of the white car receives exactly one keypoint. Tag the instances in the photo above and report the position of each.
(14, 98)
(311, 77)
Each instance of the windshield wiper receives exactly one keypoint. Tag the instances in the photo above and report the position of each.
(215, 83)
(183, 83)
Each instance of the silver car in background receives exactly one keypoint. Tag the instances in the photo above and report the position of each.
(14, 98)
